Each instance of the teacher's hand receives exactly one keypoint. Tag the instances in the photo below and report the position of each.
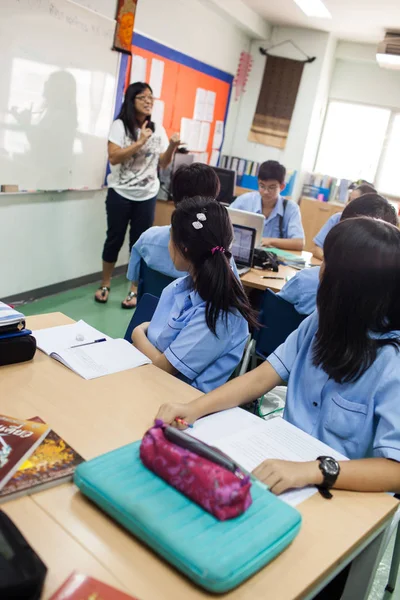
(175, 141)
(145, 133)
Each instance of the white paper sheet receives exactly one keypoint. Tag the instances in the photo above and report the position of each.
(190, 133)
(157, 114)
(204, 136)
(200, 105)
(138, 68)
(104, 358)
(54, 339)
(156, 76)
(202, 157)
(249, 441)
(210, 105)
(214, 158)
(218, 134)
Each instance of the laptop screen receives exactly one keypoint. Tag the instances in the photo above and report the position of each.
(243, 244)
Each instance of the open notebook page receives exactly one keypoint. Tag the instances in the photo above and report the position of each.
(54, 339)
(249, 440)
(105, 358)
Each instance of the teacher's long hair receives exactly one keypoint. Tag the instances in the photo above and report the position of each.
(127, 114)
(202, 232)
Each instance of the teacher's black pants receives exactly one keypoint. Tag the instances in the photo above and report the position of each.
(120, 213)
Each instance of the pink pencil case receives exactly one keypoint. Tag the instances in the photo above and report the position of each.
(221, 492)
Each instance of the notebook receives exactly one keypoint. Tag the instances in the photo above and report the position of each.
(87, 351)
(52, 463)
(243, 247)
(83, 587)
(249, 440)
(10, 319)
(18, 440)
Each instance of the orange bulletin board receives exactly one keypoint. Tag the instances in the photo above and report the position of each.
(181, 79)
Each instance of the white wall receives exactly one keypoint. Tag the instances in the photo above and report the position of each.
(50, 238)
(310, 103)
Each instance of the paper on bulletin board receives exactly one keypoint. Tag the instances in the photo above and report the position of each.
(200, 104)
(209, 107)
(190, 133)
(157, 114)
(214, 158)
(202, 157)
(204, 136)
(138, 68)
(218, 134)
(156, 76)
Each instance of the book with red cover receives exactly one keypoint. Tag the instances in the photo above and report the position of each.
(83, 587)
(18, 440)
(52, 463)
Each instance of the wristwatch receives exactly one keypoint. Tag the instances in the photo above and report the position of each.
(330, 469)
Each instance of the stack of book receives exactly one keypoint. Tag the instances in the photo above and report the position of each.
(325, 188)
(247, 173)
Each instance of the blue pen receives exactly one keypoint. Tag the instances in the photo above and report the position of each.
(89, 343)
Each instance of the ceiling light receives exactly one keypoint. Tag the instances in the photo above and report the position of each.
(314, 8)
(388, 61)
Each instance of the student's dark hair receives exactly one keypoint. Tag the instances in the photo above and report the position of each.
(196, 179)
(127, 114)
(358, 297)
(208, 250)
(365, 188)
(271, 169)
(371, 205)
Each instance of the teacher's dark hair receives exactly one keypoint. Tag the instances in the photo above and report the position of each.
(358, 297)
(127, 114)
(196, 179)
(213, 277)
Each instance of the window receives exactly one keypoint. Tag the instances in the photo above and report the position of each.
(388, 181)
(352, 140)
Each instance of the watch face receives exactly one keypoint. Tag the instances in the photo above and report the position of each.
(330, 466)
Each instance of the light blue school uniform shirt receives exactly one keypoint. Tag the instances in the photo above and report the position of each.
(323, 232)
(152, 246)
(360, 419)
(291, 225)
(179, 330)
(301, 290)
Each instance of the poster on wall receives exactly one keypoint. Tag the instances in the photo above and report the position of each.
(276, 101)
(125, 18)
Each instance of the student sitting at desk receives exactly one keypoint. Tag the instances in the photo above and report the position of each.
(200, 327)
(342, 366)
(196, 179)
(301, 290)
(319, 239)
(282, 228)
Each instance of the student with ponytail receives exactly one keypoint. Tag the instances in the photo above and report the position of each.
(200, 326)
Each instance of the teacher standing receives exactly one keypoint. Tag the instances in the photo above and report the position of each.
(136, 147)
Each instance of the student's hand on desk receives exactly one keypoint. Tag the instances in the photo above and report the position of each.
(282, 475)
(266, 242)
(169, 412)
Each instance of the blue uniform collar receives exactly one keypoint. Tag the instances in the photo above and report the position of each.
(184, 291)
(277, 210)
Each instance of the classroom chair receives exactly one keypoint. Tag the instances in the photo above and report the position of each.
(277, 318)
(144, 312)
(151, 281)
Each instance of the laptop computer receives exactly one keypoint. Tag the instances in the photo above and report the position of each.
(248, 219)
(243, 247)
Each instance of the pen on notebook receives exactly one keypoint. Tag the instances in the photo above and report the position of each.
(271, 277)
(183, 422)
(89, 343)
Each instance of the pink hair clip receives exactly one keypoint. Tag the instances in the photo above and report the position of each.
(217, 249)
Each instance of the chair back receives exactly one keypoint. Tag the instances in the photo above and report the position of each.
(278, 319)
(151, 281)
(144, 312)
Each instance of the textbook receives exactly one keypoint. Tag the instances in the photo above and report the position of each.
(10, 319)
(18, 440)
(52, 463)
(87, 351)
(83, 587)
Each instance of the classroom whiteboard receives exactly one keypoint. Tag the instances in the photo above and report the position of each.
(57, 88)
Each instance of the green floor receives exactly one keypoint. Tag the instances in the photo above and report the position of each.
(111, 319)
(78, 304)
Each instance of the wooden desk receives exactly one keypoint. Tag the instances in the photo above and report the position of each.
(99, 415)
(253, 279)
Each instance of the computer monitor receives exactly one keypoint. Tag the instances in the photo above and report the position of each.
(243, 247)
(227, 180)
(248, 219)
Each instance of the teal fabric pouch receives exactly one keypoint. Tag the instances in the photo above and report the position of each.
(216, 555)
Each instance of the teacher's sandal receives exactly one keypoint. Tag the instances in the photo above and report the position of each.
(104, 295)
